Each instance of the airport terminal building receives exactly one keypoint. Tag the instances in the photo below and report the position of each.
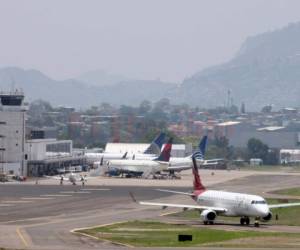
(51, 156)
(31, 157)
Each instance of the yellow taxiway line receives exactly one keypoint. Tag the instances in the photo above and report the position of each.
(75, 231)
(19, 233)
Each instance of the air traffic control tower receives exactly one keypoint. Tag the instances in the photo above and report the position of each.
(12, 133)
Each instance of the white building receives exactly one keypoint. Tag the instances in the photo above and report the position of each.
(12, 133)
(289, 156)
(49, 156)
(42, 149)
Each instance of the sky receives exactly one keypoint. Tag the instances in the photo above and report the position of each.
(142, 39)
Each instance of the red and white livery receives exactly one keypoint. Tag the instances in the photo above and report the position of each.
(212, 203)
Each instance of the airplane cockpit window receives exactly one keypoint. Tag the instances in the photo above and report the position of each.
(258, 202)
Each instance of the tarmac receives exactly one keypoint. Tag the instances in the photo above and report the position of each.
(42, 216)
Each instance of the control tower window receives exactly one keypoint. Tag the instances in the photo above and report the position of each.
(11, 100)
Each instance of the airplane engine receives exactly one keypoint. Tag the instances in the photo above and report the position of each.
(268, 217)
(208, 216)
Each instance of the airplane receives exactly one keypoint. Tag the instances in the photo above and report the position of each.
(178, 164)
(72, 178)
(212, 203)
(218, 163)
(151, 151)
(144, 167)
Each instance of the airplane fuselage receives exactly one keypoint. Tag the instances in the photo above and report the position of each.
(138, 165)
(236, 204)
(117, 156)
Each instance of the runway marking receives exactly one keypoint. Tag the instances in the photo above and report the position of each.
(169, 213)
(74, 192)
(7, 205)
(18, 201)
(21, 237)
(55, 195)
(95, 189)
(37, 198)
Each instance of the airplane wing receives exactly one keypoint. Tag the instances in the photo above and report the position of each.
(174, 192)
(284, 205)
(56, 177)
(178, 168)
(165, 205)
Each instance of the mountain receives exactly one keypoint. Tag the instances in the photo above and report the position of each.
(76, 93)
(100, 78)
(266, 70)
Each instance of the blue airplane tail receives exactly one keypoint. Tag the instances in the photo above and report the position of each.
(156, 144)
(199, 154)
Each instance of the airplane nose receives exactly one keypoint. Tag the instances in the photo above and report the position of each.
(263, 210)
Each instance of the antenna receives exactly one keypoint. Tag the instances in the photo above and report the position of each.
(228, 98)
(12, 84)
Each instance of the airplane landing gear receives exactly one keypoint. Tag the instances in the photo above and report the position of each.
(206, 222)
(245, 220)
(256, 223)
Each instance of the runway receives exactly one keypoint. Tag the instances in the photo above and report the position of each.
(42, 216)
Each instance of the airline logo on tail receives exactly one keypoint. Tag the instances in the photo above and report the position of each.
(198, 186)
(166, 153)
(199, 154)
(156, 144)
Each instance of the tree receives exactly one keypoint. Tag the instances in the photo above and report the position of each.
(127, 110)
(152, 133)
(39, 107)
(266, 109)
(163, 103)
(257, 149)
(219, 148)
(145, 107)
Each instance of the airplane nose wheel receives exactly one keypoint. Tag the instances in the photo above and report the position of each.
(256, 223)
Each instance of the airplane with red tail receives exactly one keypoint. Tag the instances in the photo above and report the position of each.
(145, 167)
(212, 203)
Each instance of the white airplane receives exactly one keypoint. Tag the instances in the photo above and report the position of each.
(72, 178)
(212, 203)
(142, 167)
(178, 164)
(152, 151)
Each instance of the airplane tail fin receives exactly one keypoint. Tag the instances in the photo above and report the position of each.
(156, 144)
(198, 186)
(125, 155)
(166, 152)
(199, 154)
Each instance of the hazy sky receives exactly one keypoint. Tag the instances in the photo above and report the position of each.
(166, 39)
